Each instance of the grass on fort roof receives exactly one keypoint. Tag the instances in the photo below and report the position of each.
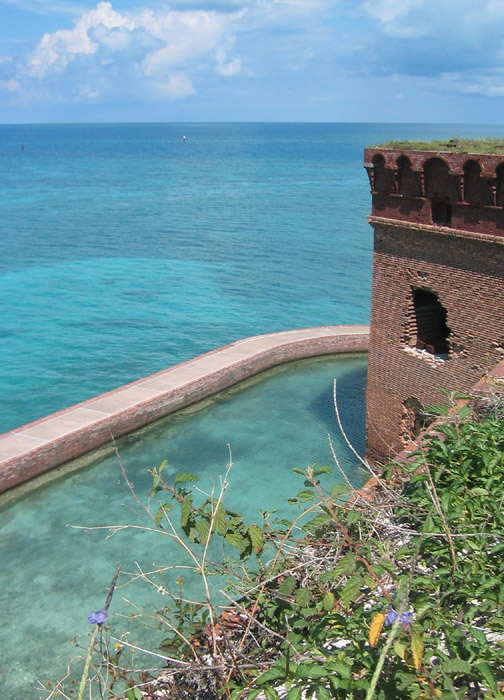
(455, 145)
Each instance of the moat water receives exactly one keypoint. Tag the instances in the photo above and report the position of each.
(53, 575)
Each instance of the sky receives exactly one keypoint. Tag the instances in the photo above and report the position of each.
(252, 60)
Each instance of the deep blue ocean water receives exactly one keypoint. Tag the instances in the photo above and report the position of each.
(125, 249)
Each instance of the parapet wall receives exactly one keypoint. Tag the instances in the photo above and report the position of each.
(461, 190)
(47, 443)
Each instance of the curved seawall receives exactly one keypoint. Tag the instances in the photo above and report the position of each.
(35, 448)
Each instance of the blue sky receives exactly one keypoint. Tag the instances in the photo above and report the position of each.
(252, 60)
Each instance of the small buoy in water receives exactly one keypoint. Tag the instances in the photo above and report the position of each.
(183, 139)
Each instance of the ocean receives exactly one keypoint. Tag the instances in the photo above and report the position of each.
(127, 248)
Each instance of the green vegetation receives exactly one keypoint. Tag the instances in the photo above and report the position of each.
(456, 145)
(400, 596)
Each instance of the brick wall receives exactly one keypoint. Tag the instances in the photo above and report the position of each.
(465, 271)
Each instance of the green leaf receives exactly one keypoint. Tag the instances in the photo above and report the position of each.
(203, 529)
(303, 597)
(338, 489)
(417, 648)
(340, 667)
(324, 469)
(308, 670)
(323, 693)
(437, 410)
(399, 649)
(479, 636)
(287, 586)
(294, 693)
(236, 540)
(486, 672)
(317, 522)
(272, 674)
(346, 565)
(354, 516)
(186, 509)
(161, 512)
(456, 666)
(256, 537)
(328, 601)
(220, 520)
(477, 491)
(133, 694)
(299, 471)
(271, 694)
(305, 495)
(351, 591)
(464, 412)
(185, 476)
(253, 694)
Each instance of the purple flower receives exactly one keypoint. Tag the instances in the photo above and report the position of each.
(391, 617)
(98, 617)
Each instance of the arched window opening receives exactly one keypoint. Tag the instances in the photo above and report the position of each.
(441, 190)
(383, 177)
(406, 179)
(472, 182)
(431, 332)
(499, 191)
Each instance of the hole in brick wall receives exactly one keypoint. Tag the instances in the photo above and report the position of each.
(414, 419)
(499, 188)
(426, 327)
(441, 190)
(441, 211)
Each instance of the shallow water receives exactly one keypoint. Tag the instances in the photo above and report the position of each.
(53, 575)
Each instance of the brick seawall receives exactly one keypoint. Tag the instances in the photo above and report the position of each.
(37, 447)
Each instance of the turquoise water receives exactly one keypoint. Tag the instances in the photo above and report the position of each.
(52, 576)
(125, 250)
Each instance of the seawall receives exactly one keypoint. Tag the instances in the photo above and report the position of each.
(37, 447)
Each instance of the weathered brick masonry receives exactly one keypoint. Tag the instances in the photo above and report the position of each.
(437, 316)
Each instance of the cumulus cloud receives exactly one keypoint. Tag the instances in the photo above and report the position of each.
(167, 51)
(153, 53)
(57, 50)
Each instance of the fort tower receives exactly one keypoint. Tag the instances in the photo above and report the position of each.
(437, 314)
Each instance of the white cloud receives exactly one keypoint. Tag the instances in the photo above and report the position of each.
(55, 51)
(11, 85)
(150, 51)
(225, 67)
(487, 86)
(388, 12)
(176, 87)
